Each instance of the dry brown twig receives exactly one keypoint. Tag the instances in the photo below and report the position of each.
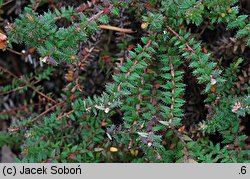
(108, 27)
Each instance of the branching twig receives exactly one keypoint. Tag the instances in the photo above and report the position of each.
(29, 85)
(66, 114)
(180, 38)
(7, 2)
(173, 90)
(16, 89)
(134, 64)
(17, 109)
(86, 5)
(37, 117)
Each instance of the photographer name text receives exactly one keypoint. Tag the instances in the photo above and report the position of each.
(43, 170)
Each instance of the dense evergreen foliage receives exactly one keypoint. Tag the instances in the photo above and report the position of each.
(139, 116)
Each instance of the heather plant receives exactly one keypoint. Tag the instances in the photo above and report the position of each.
(140, 113)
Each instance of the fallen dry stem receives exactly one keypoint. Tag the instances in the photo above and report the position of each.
(108, 27)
